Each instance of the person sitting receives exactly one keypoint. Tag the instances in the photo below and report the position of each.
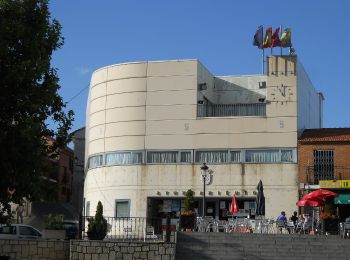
(294, 218)
(282, 217)
(281, 221)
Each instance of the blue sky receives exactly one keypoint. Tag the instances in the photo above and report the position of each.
(218, 33)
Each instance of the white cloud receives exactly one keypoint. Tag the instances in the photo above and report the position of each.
(83, 71)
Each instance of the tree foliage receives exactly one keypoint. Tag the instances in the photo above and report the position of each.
(97, 227)
(29, 99)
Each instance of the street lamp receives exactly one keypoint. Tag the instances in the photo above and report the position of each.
(206, 179)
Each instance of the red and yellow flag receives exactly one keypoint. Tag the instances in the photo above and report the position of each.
(268, 38)
(275, 38)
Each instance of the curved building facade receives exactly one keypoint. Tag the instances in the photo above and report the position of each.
(150, 126)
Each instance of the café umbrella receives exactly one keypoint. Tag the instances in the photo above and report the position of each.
(260, 200)
(234, 206)
(320, 194)
(310, 203)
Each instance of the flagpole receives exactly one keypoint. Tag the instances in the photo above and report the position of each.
(263, 62)
(280, 38)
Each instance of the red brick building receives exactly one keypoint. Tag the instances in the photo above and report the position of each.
(324, 162)
(65, 174)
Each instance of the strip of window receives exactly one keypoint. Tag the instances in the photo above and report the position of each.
(124, 158)
(200, 156)
(169, 157)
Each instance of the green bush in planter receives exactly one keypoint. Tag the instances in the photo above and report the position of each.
(97, 227)
(187, 218)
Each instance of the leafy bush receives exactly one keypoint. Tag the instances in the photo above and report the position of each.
(54, 222)
(97, 227)
(188, 203)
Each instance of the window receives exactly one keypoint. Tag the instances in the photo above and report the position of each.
(162, 157)
(124, 158)
(235, 156)
(286, 155)
(95, 161)
(185, 157)
(27, 231)
(323, 165)
(212, 156)
(122, 208)
(262, 156)
(8, 230)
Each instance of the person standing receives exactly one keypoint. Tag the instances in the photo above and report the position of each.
(20, 211)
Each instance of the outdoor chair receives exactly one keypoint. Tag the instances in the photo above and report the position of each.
(221, 225)
(346, 229)
(306, 226)
(149, 233)
(281, 225)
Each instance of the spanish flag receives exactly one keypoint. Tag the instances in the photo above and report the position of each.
(286, 38)
(267, 39)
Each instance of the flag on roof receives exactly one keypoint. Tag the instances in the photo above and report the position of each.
(258, 37)
(275, 38)
(286, 38)
(267, 39)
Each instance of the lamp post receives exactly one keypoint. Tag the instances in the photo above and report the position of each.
(204, 173)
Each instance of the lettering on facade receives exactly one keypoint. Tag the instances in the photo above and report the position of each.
(343, 184)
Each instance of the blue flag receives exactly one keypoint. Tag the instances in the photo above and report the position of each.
(258, 37)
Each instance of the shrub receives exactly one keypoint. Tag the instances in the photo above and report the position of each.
(188, 203)
(97, 227)
(54, 222)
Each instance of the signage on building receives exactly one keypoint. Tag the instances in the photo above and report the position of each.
(340, 184)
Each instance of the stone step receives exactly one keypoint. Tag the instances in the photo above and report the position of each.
(260, 246)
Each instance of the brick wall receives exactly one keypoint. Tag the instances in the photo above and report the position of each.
(104, 250)
(305, 154)
(35, 249)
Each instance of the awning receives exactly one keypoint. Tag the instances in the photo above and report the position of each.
(342, 199)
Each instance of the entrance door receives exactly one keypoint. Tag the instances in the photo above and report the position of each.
(210, 208)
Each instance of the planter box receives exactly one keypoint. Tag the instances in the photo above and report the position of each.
(187, 222)
(330, 226)
(54, 234)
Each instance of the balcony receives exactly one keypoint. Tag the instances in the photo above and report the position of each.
(316, 174)
(226, 110)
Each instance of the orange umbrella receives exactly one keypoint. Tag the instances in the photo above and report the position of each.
(234, 206)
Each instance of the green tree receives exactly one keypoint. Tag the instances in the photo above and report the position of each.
(97, 227)
(189, 202)
(29, 100)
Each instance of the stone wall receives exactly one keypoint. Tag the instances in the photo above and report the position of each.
(35, 249)
(104, 250)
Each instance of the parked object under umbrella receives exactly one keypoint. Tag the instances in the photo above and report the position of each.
(315, 199)
(260, 200)
(315, 202)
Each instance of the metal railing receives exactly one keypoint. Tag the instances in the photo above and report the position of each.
(223, 110)
(316, 174)
(131, 228)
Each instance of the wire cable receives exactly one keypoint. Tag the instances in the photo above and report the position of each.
(76, 95)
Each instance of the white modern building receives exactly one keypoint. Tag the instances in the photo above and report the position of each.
(150, 126)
